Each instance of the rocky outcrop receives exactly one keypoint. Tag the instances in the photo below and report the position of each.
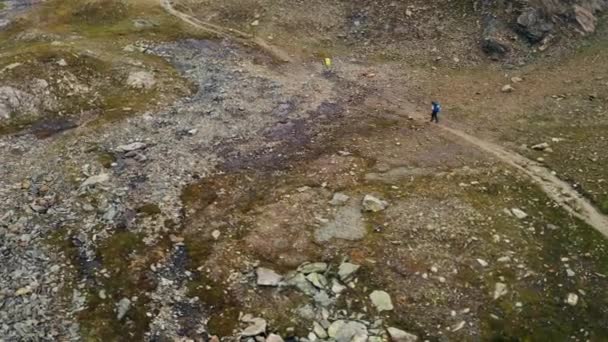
(537, 22)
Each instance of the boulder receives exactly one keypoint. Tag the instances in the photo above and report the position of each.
(122, 308)
(533, 25)
(398, 335)
(348, 331)
(131, 147)
(346, 270)
(316, 267)
(274, 338)
(339, 199)
(520, 214)
(267, 277)
(373, 204)
(94, 180)
(500, 290)
(257, 327)
(381, 300)
(585, 18)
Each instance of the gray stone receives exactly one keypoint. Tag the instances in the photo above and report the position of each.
(274, 338)
(319, 330)
(257, 327)
(520, 214)
(348, 331)
(122, 308)
(381, 300)
(300, 282)
(346, 271)
(323, 299)
(339, 199)
(337, 287)
(347, 224)
(94, 180)
(373, 204)
(267, 277)
(318, 280)
(398, 335)
(317, 267)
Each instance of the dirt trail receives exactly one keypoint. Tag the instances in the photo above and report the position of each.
(558, 190)
(276, 53)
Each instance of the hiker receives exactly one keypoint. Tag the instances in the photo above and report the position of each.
(436, 111)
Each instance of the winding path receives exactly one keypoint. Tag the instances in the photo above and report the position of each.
(558, 190)
(276, 53)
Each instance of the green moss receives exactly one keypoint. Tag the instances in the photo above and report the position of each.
(604, 206)
(125, 257)
(149, 209)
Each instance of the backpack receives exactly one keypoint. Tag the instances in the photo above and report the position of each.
(436, 107)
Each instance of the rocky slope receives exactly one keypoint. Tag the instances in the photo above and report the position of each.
(164, 179)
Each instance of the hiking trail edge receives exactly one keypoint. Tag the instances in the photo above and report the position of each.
(558, 190)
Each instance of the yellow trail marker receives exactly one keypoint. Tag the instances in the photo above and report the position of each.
(327, 62)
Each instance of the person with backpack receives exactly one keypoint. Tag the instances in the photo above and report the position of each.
(436, 111)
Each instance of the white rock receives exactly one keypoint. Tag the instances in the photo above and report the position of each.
(216, 234)
(381, 300)
(318, 280)
(122, 308)
(23, 291)
(570, 272)
(458, 326)
(257, 327)
(94, 180)
(500, 290)
(516, 79)
(131, 147)
(267, 277)
(507, 88)
(319, 330)
(504, 259)
(572, 299)
(482, 262)
(373, 204)
(337, 287)
(346, 270)
(520, 214)
(350, 331)
(398, 335)
(541, 146)
(141, 80)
